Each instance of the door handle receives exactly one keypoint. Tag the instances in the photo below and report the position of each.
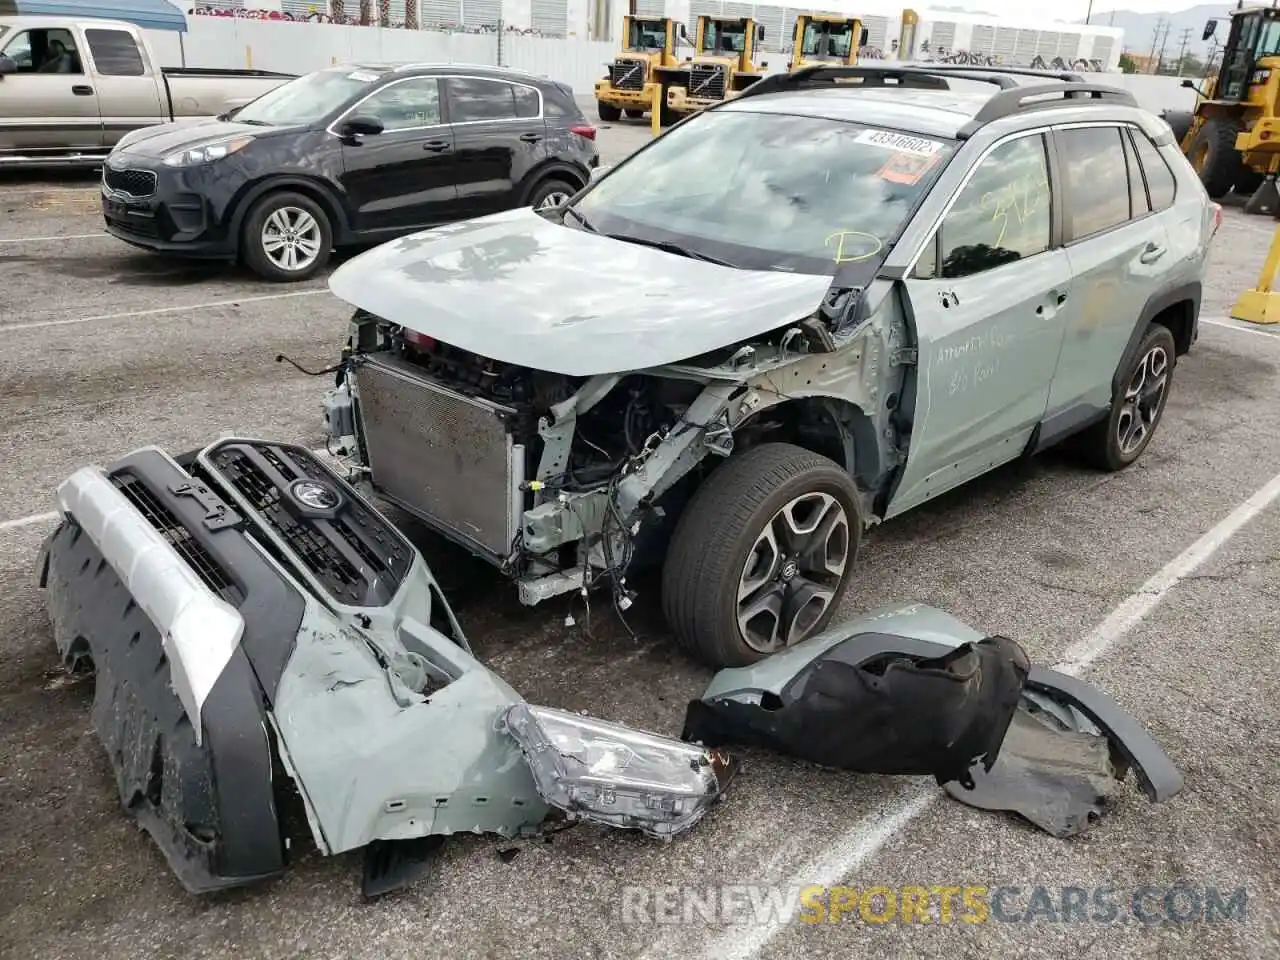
(530, 137)
(436, 146)
(1062, 298)
(80, 90)
(1153, 253)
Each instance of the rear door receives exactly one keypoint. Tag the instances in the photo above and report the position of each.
(403, 177)
(1120, 255)
(985, 298)
(500, 135)
(128, 86)
(50, 104)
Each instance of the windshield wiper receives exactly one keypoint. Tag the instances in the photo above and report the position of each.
(256, 123)
(580, 218)
(670, 247)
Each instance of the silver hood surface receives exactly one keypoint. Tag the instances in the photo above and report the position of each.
(521, 289)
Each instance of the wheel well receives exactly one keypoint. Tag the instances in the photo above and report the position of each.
(539, 177)
(337, 225)
(835, 429)
(1178, 318)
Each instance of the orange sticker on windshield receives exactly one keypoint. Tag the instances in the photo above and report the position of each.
(906, 168)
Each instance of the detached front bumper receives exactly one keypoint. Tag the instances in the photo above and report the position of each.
(262, 636)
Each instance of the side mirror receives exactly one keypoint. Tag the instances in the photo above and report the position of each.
(362, 125)
(760, 33)
(1188, 84)
(684, 34)
(1210, 29)
(7, 65)
(862, 40)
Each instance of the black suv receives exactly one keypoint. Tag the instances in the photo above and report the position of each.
(349, 155)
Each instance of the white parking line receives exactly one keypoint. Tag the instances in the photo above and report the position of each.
(870, 835)
(65, 236)
(1227, 323)
(35, 518)
(155, 311)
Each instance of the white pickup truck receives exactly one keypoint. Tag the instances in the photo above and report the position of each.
(71, 87)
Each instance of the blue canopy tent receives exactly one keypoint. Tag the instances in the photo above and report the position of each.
(151, 14)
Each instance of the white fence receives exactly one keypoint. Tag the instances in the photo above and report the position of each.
(301, 47)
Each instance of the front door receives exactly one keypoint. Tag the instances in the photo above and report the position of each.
(500, 136)
(50, 105)
(986, 300)
(401, 178)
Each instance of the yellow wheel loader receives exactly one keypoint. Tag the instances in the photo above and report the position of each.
(824, 39)
(1232, 138)
(630, 83)
(723, 65)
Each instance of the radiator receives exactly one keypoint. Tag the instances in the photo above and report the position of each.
(443, 456)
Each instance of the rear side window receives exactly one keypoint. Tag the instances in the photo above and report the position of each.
(1138, 203)
(1160, 181)
(527, 101)
(1097, 181)
(1001, 215)
(115, 54)
(471, 99)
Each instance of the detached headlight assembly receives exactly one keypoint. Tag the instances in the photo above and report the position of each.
(207, 153)
(611, 774)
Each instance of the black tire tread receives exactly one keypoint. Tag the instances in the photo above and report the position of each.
(1224, 164)
(1095, 445)
(707, 537)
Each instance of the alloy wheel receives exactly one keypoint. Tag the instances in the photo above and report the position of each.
(792, 572)
(1143, 400)
(555, 198)
(291, 238)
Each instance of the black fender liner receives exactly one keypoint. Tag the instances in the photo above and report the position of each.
(341, 225)
(1157, 304)
(722, 721)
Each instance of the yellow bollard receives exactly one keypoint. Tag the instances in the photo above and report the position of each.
(655, 108)
(1262, 304)
(248, 56)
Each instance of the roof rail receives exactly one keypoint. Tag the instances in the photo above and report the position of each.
(821, 75)
(1016, 71)
(1009, 102)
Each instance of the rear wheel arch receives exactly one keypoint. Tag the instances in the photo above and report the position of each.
(551, 170)
(830, 426)
(1178, 309)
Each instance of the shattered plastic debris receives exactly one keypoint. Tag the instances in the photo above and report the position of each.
(1059, 779)
(615, 775)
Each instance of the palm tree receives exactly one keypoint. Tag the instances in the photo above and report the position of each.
(337, 12)
(411, 14)
(366, 11)
(384, 13)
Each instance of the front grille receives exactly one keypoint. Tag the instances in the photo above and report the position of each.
(353, 553)
(136, 183)
(706, 82)
(627, 74)
(445, 457)
(188, 547)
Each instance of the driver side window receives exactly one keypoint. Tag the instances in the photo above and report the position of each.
(407, 105)
(1001, 215)
(44, 51)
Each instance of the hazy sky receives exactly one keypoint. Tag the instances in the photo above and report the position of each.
(1070, 10)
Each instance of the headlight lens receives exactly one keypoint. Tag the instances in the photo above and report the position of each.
(207, 153)
(615, 775)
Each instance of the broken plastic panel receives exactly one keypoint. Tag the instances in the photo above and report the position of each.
(615, 775)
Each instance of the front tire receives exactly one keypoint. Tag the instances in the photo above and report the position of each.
(1137, 406)
(286, 237)
(608, 113)
(1213, 154)
(762, 555)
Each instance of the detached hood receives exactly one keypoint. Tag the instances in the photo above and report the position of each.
(518, 288)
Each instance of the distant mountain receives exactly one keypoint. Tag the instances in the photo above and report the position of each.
(1140, 28)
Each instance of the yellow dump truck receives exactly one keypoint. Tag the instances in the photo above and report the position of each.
(723, 65)
(825, 39)
(630, 83)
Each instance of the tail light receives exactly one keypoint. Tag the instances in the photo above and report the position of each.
(419, 340)
(584, 130)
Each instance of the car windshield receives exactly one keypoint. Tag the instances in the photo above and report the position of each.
(769, 191)
(307, 99)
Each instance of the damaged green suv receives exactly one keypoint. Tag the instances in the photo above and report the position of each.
(788, 318)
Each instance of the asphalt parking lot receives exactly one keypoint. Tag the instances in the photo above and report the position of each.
(1158, 582)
